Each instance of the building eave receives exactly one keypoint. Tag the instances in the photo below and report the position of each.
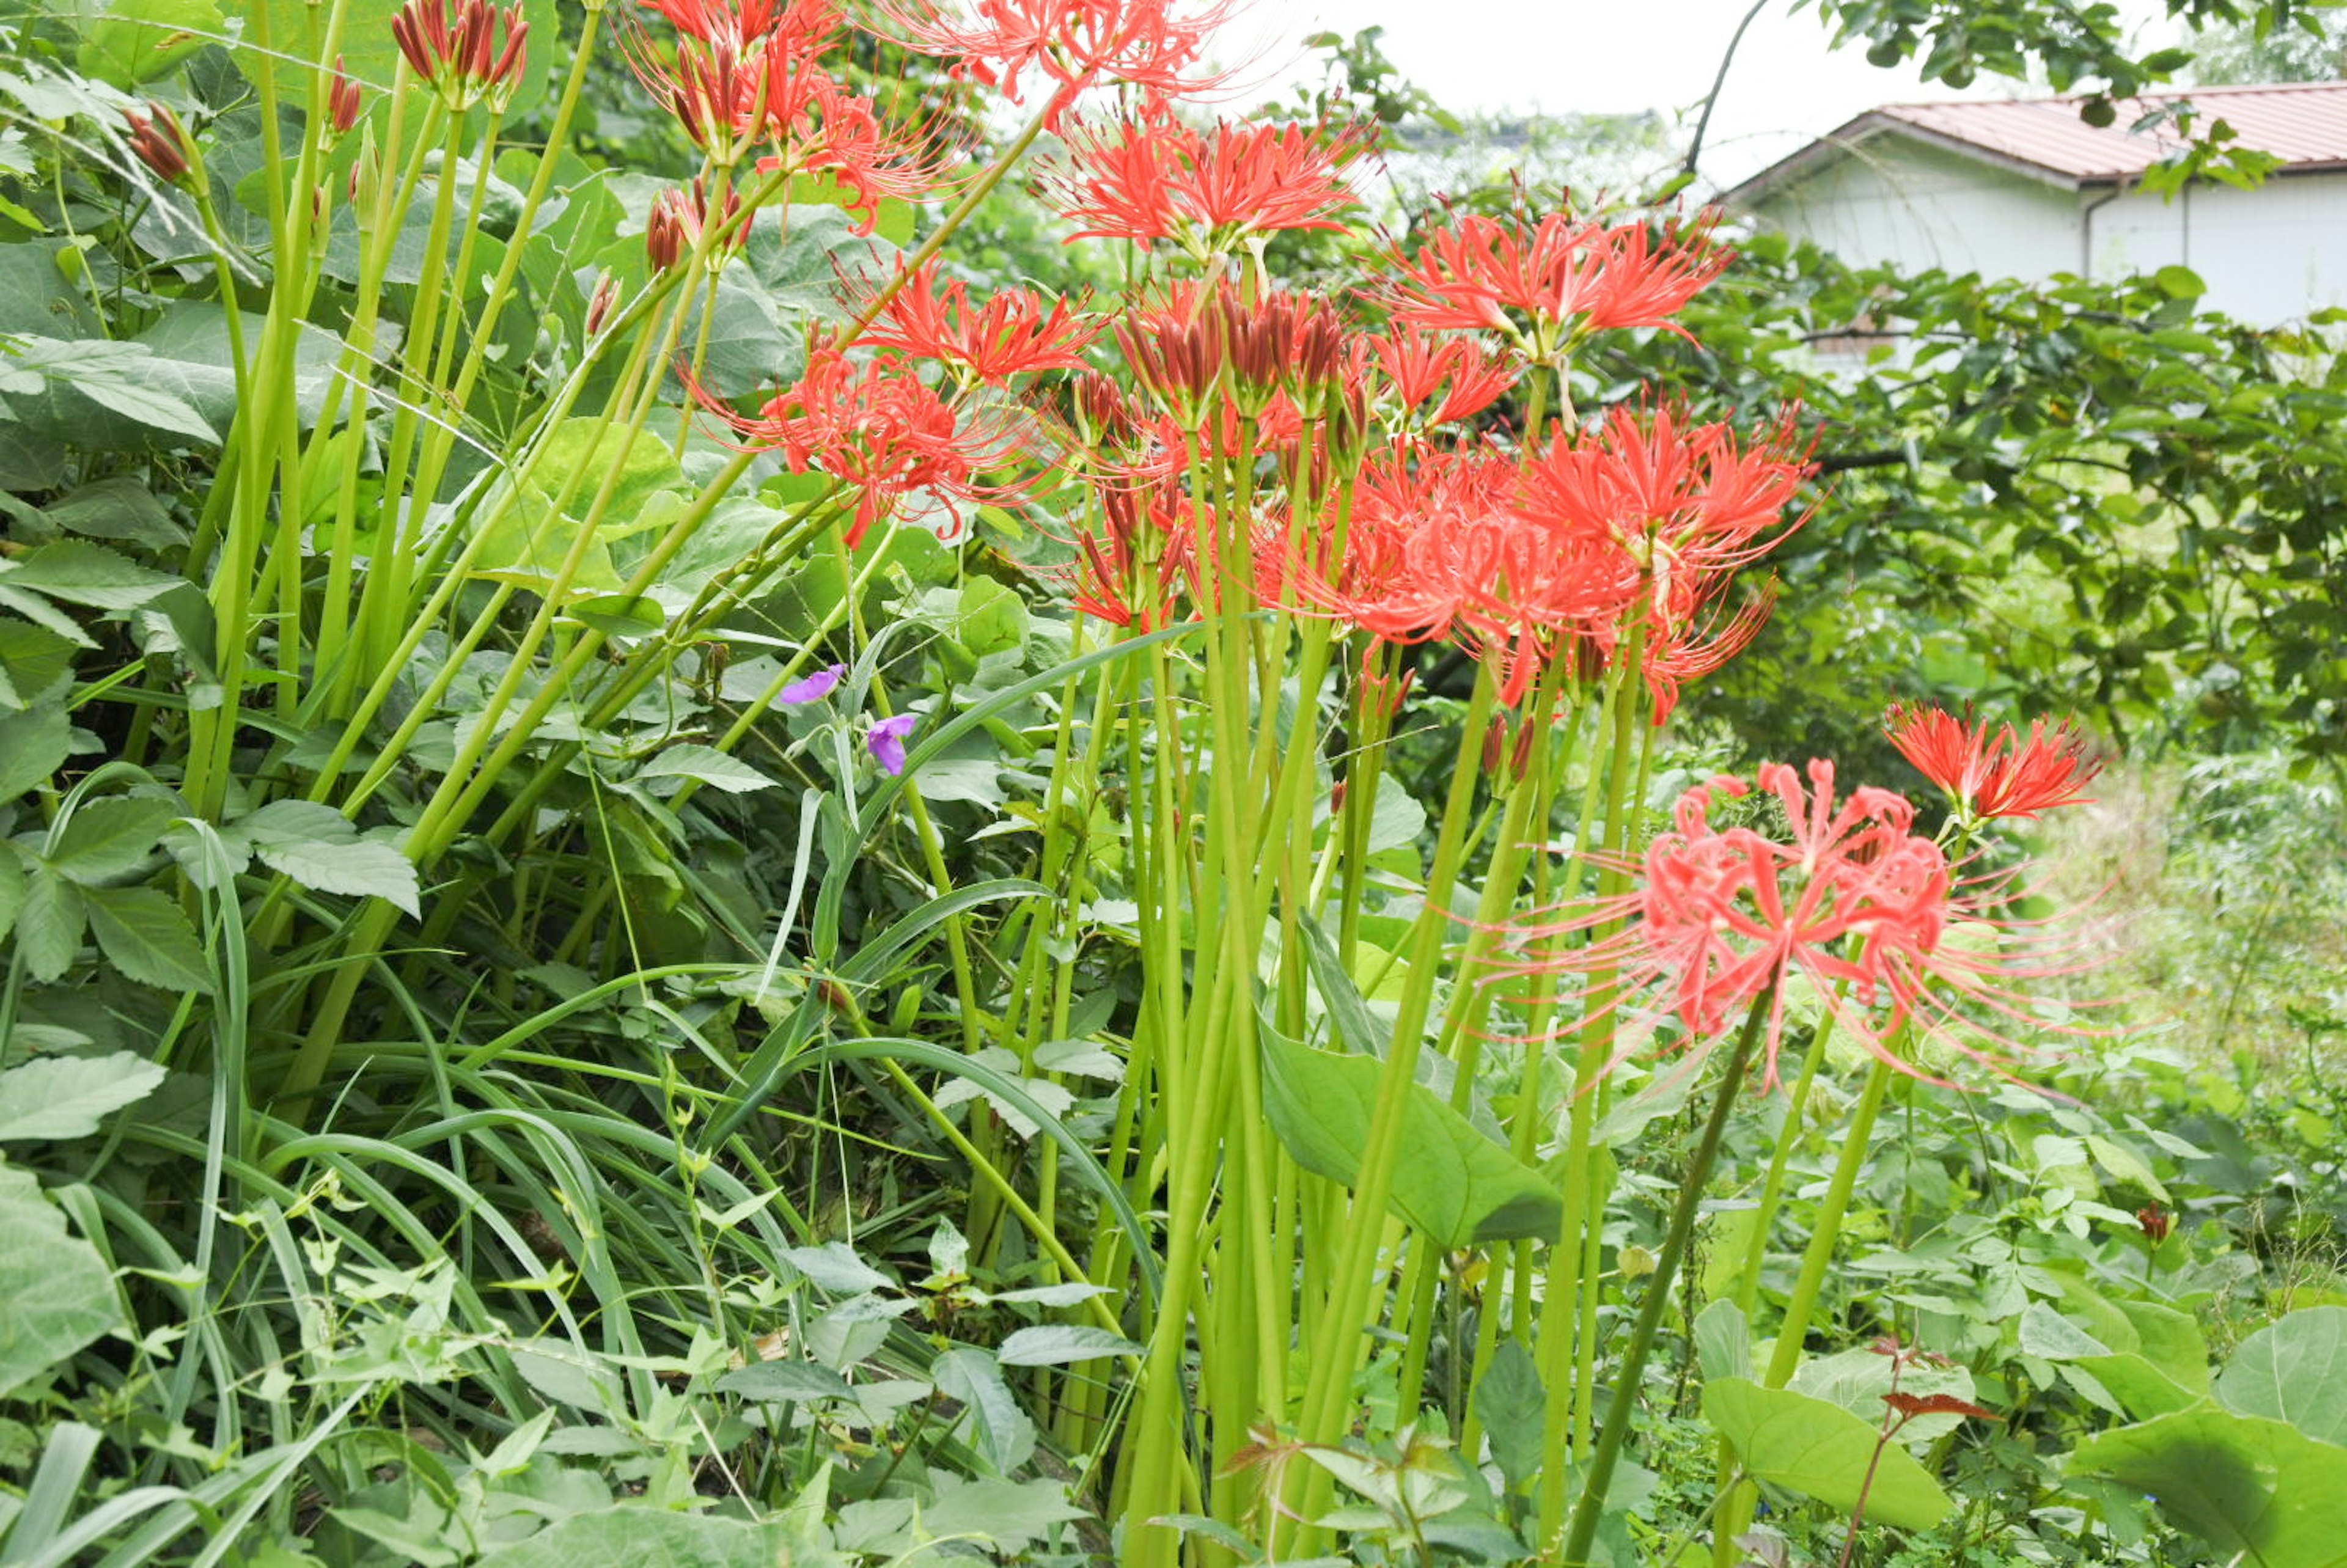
(1845, 141)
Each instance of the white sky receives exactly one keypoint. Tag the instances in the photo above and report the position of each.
(1785, 88)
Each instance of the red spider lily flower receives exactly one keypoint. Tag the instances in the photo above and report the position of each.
(1159, 180)
(1686, 502)
(452, 43)
(1907, 1407)
(1852, 899)
(1141, 44)
(1132, 570)
(2000, 774)
(737, 77)
(1416, 366)
(870, 159)
(159, 141)
(875, 427)
(1575, 274)
(1010, 335)
(673, 226)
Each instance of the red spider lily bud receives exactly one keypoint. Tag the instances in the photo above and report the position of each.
(318, 205)
(1103, 418)
(160, 143)
(1495, 744)
(459, 54)
(599, 308)
(1520, 757)
(1180, 365)
(677, 219)
(342, 101)
(2155, 1222)
(1337, 797)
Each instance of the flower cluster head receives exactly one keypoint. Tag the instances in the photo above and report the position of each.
(1999, 773)
(454, 46)
(1010, 335)
(1156, 178)
(1416, 367)
(878, 429)
(1153, 48)
(1851, 899)
(1564, 276)
(1214, 349)
(746, 79)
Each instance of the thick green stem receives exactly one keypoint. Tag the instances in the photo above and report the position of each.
(1826, 1228)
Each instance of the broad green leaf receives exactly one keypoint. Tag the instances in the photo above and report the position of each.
(12, 888)
(135, 41)
(111, 837)
(33, 745)
(65, 1096)
(2148, 1357)
(119, 377)
(712, 767)
(56, 1293)
(147, 936)
(1513, 1409)
(648, 1538)
(2243, 1483)
(1858, 1379)
(1056, 1344)
(1450, 1181)
(1822, 1450)
(80, 572)
(991, 1421)
(835, 1267)
(2294, 1370)
(117, 508)
(1723, 1341)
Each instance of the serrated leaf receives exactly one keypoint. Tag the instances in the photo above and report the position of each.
(80, 572)
(147, 937)
(65, 1096)
(49, 927)
(997, 1427)
(1056, 1344)
(111, 837)
(56, 1293)
(33, 747)
(364, 868)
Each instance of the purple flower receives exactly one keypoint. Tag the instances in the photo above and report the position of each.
(807, 688)
(886, 741)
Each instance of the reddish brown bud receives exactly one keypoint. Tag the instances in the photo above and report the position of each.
(159, 141)
(2155, 1222)
(1520, 755)
(600, 303)
(1495, 744)
(1337, 797)
(342, 100)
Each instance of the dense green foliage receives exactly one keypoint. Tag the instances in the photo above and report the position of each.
(495, 1067)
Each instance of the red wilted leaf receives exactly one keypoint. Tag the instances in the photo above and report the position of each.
(1908, 1406)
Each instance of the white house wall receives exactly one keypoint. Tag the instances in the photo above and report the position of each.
(2266, 255)
(1914, 207)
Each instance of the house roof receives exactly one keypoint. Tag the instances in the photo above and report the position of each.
(2305, 124)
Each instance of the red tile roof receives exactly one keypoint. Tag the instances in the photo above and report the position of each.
(2303, 124)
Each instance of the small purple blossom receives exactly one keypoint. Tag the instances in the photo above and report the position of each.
(886, 741)
(807, 688)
